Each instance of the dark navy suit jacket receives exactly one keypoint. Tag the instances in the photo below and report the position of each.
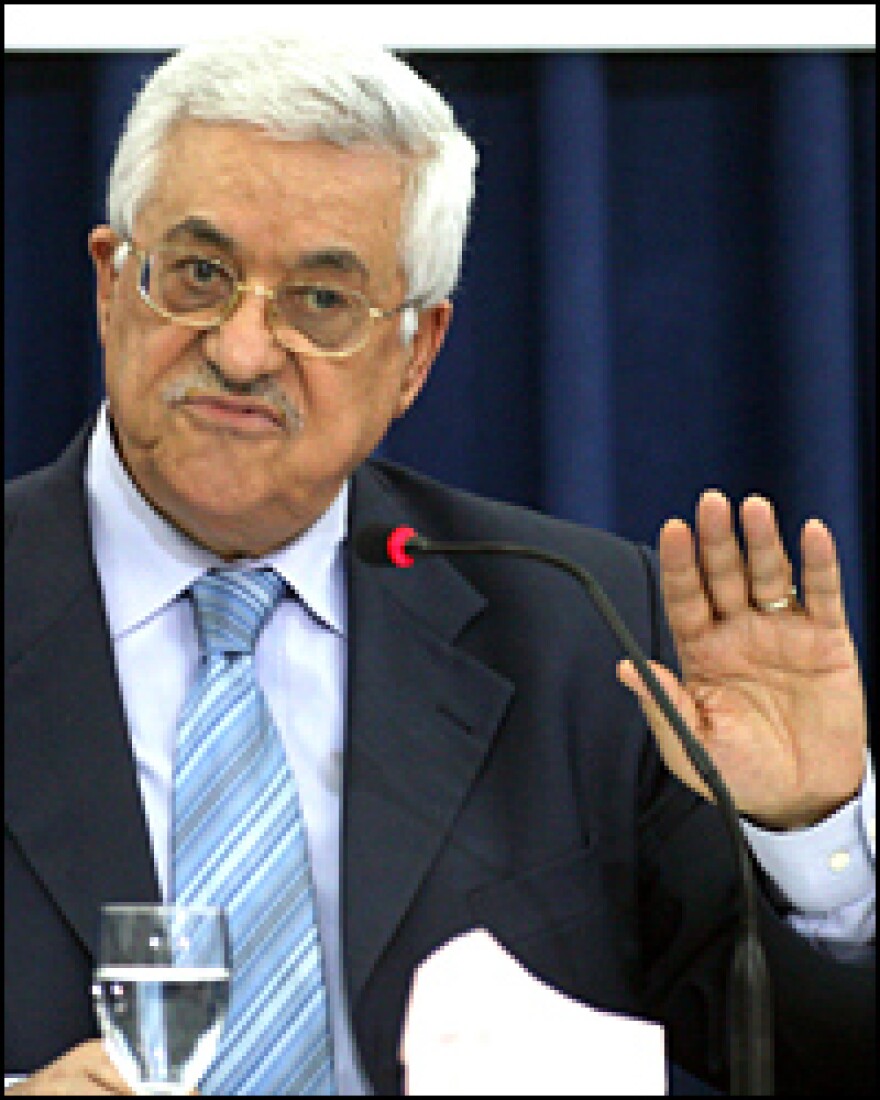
(496, 775)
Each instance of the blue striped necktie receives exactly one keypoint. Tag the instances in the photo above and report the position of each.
(239, 842)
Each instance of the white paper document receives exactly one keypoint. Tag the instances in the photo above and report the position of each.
(479, 1024)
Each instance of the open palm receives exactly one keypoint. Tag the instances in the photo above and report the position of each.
(773, 693)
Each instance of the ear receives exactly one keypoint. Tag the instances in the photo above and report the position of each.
(423, 349)
(103, 243)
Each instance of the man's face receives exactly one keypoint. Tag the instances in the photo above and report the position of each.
(243, 475)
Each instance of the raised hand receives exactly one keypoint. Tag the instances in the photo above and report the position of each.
(770, 682)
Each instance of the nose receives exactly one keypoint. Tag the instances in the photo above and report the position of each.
(243, 345)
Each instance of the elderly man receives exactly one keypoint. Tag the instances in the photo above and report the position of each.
(454, 746)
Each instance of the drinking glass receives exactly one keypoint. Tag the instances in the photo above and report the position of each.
(161, 991)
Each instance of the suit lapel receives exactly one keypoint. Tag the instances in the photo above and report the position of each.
(72, 799)
(422, 717)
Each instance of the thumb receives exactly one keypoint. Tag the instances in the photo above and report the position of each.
(668, 743)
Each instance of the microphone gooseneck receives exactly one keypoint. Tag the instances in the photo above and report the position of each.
(751, 1008)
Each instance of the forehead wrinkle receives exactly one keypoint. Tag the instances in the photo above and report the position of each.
(233, 171)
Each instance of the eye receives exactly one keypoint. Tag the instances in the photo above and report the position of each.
(322, 299)
(183, 282)
(199, 270)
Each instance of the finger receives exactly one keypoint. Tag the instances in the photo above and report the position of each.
(671, 748)
(721, 559)
(106, 1085)
(687, 606)
(98, 1068)
(820, 575)
(99, 1086)
(769, 567)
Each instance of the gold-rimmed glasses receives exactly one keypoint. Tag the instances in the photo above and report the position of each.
(193, 288)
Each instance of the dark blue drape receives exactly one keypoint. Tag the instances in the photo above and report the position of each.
(670, 283)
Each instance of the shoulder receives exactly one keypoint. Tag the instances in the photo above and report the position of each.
(52, 494)
(20, 492)
(624, 570)
(47, 548)
(527, 597)
(444, 512)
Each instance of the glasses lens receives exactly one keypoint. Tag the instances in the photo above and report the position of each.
(187, 285)
(196, 289)
(330, 318)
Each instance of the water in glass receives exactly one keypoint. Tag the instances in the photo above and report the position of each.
(161, 992)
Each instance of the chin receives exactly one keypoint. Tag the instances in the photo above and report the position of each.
(217, 482)
(237, 510)
(230, 533)
(215, 502)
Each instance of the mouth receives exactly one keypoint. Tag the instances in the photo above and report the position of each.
(244, 416)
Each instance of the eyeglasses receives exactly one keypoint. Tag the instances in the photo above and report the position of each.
(202, 292)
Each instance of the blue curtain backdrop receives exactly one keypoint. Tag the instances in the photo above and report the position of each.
(670, 283)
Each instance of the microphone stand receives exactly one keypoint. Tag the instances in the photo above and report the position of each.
(751, 1004)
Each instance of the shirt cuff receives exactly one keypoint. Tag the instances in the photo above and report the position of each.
(829, 865)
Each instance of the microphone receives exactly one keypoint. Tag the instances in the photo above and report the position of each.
(751, 1004)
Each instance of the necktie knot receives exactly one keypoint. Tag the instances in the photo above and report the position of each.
(232, 606)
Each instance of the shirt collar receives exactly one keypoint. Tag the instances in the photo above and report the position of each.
(145, 563)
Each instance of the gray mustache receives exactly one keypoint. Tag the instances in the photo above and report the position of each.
(208, 380)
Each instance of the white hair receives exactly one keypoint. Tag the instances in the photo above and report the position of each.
(301, 89)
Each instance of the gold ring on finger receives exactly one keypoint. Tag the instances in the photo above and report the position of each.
(785, 602)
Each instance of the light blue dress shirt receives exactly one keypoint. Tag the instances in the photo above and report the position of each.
(145, 566)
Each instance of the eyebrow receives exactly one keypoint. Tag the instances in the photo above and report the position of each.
(201, 230)
(340, 260)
